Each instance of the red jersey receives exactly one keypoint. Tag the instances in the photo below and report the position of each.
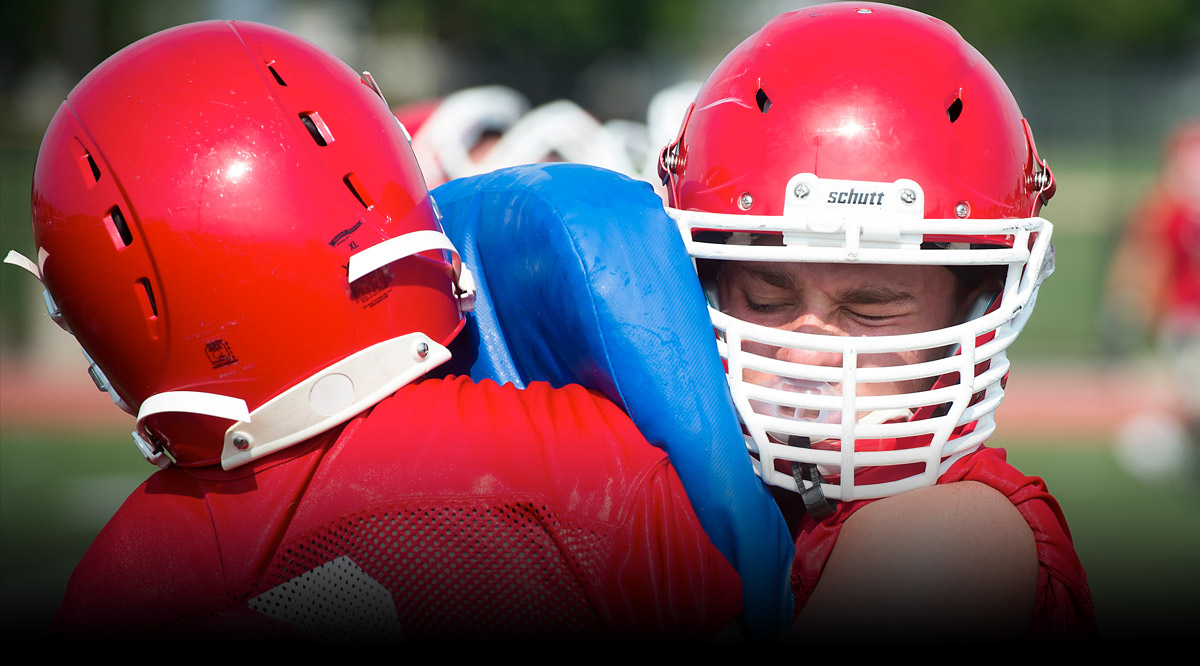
(449, 509)
(1063, 604)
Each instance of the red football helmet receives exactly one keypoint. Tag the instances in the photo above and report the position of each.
(868, 134)
(232, 224)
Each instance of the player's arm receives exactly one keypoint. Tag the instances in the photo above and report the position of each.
(673, 579)
(954, 557)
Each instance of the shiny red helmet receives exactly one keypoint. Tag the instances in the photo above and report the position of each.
(232, 224)
(860, 133)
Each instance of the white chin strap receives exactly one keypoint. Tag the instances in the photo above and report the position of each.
(323, 400)
(314, 405)
(332, 395)
(394, 249)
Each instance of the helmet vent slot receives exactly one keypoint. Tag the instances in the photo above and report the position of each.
(87, 164)
(95, 169)
(764, 102)
(117, 228)
(955, 109)
(149, 305)
(278, 78)
(356, 188)
(317, 128)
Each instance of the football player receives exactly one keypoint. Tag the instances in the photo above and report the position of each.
(477, 130)
(451, 137)
(1154, 285)
(860, 194)
(233, 226)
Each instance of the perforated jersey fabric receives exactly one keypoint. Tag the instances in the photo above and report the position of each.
(452, 509)
(1063, 606)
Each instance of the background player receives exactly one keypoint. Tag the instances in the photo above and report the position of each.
(232, 225)
(860, 193)
(1154, 286)
(477, 130)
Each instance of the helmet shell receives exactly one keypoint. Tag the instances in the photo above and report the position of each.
(856, 91)
(196, 200)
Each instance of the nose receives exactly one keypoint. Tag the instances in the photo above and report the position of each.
(810, 324)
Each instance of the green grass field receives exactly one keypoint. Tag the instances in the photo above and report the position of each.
(1140, 545)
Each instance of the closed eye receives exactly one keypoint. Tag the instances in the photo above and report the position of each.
(765, 308)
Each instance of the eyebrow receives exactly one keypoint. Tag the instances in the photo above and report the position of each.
(771, 276)
(868, 294)
(873, 294)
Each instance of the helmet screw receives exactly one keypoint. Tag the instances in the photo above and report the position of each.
(745, 201)
(422, 350)
(963, 209)
(241, 443)
(908, 196)
(670, 159)
(801, 190)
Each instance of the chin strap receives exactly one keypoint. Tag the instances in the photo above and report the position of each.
(808, 483)
(325, 399)
(397, 248)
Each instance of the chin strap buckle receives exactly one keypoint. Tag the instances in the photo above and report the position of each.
(151, 451)
(808, 483)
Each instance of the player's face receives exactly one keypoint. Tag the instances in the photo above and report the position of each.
(845, 300)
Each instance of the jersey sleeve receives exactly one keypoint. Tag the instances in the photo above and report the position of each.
(1063, 605)
(669, 582)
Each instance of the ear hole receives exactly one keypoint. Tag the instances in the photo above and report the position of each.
(764, 102)
(278, 78)
(147, 297)
(955, 109)
(117, 227)
(356, 188)
(317, 128)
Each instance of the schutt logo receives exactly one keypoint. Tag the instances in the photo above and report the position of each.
(860, 198)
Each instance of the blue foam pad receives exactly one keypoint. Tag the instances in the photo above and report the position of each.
(582, 278)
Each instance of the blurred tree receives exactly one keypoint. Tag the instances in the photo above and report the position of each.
(536, 46)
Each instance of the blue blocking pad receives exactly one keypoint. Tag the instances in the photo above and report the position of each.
(582, 278)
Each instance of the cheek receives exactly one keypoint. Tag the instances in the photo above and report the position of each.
(898, 359)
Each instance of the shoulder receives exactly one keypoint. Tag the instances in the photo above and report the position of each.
(158, 545)
(566, 445)
(945, 519)
(539, 413)
(957, 554)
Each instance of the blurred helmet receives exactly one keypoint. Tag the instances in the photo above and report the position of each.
(231, 223)
(1181, 169)
(863, 134)
(562, 131)
(449, 135)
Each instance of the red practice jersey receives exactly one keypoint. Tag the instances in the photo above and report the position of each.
(450, 509)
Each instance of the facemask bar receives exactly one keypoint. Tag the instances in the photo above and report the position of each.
(952, 418)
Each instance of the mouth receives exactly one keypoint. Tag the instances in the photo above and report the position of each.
(801, 387)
